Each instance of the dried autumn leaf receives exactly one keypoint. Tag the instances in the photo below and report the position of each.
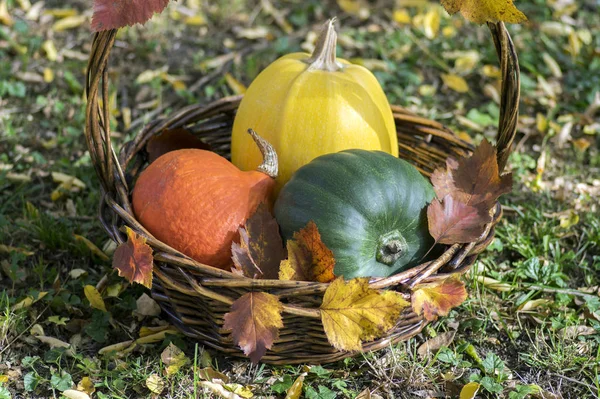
(309, 259)
(174, 358)
(114, 14)
(455, 82)
(155, 384)
(477, 178)
(352, 312)
(469, 391)
(482, 11)
(254, 321)
(436, 299)
(172, 139)
(92, 295)
(86, 385)
(261, 249)
(452, 221)
(133, 259)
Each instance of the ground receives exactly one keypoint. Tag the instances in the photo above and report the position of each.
(531, 324)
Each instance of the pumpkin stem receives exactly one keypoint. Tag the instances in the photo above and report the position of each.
(392, 246)
(323, 57)
(270, 165)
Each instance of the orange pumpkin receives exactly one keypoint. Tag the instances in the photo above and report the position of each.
(195, 200)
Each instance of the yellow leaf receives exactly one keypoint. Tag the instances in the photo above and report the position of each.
(438, 298)
(91, 246)
(481, 11)
(352, 312)
(469, 391)
(50, 50)
(92, 294)
(27, 302)
(118, 347)
(431, 23)
(53, 342)
(173, 358)
(155, 384)
(59, 177)
(569, 220)
(196, 20)
(61, 12)
(149, 75)
(455, 82)
(5, 18)
(296, 389)
(4, 379)
(86, 385)
(48, 75)
(357, 8)
(494, 284)
(156, 337)
(402, 17)
(234, 84)
(74, 394)
(69, 23)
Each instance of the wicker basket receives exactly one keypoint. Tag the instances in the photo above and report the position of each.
(197, 296)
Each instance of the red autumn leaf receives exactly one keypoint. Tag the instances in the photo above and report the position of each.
(254, 321)
(133, 259)
(452, 221)
(114, 14)
(261, 249)
(473, 180)
(309, 259)
(173, 139)
(437, 299)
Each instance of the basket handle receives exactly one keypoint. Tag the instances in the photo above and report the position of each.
(108, 168)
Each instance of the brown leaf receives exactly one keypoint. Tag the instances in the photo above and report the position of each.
(261, 249)
(173, 139)
(352, 312)
(436, 299)
(435, 343)
(254, 321)
(452, 221)
(309, 259)
(442, 178)
(114, 14)
(481, 11)
(133, 259)
(477, 178)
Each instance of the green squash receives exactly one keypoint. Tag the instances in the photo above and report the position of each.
(369, 206)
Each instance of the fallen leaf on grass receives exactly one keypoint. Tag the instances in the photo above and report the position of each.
(295, 390)
(573, 332)
(91, 246)
(235, 85)
(86, 385)
(435, 343)
(456, 83)
(133, 259)
(53, 342)
(146, 306)
(438, 298)
(171, 140)
(174, 358)
(71, 22)
(261, 249)
(309, 259)
(254, 322)
(494, 284)
(482, 11)
(156, 337)
(155, 384)
(219, 390)
(118, 347)
(352, 312)
(75, 394)
(210, 374)
(109, 14)
(28, 301)
(533, 304)
(469, 391)
(92, 295)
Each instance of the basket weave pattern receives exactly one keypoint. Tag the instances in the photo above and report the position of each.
(197, 296)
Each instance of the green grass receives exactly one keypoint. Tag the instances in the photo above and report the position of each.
(516, 337)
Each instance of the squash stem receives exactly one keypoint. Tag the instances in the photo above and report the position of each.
(323, 57)
(270, 165)
(392, 246)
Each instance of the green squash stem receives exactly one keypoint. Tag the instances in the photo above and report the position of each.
(391, 247)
